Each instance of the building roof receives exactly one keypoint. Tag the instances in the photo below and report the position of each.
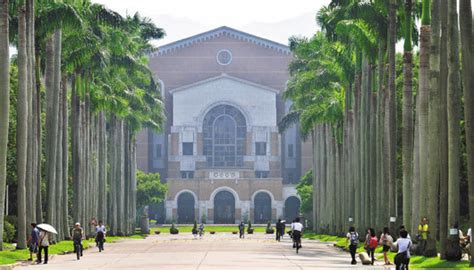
(223, 76)
(226, 31)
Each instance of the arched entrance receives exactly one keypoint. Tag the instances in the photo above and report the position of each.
(292, 208)
(186, 208)
(224, 208)
(262, 210)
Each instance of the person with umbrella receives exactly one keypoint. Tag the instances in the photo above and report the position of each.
(45, 238)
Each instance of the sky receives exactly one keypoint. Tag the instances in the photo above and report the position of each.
(276, 20)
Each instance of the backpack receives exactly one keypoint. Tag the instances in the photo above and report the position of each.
(354, 238)
(373, 242)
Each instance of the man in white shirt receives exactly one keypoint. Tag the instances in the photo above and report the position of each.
(296, 231)
(403, 255)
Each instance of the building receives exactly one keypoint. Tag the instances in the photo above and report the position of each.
(221, 153)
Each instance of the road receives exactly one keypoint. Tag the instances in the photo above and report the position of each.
(222, 251)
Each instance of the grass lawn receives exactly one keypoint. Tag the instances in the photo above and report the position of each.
(188, 229)
(418, 262)
(9, 255)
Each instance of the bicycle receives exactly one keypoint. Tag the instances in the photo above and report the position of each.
(100, 241)
(296, 240)
(78, 248)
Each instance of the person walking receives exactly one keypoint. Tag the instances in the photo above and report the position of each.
(242, 230)
(278, 230)
(386, 241)
(372, 243)
(77, 235)
(44, 240)
(201, 230)
(282, 232)
(353, 238)
(33, 241)
(402, 259)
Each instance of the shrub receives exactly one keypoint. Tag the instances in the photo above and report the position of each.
(173, 229)
(249, 228)
(8, 232)
(269, 228)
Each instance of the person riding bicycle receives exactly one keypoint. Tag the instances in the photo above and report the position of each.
(296, 231)
(77, 235)
(100, 232)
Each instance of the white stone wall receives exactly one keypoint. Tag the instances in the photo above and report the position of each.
(258, 103)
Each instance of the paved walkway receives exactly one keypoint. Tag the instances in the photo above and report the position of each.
(222, 251)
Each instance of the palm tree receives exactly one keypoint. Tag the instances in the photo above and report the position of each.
(467, 38)
(434, 120)
(22, 125)
(422, 109)
(407, 135)
(454, 115)
(443, 152)
(4, 105)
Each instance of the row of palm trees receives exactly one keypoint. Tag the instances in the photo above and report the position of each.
(348, 99)
(84, 91)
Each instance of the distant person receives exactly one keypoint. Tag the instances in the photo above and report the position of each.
(386, 241)
(423, 231)
(278, 230)
(44, 240)
(100, 233)
(242, 230)
(282, 232)
(77, 235)
(297, 231)
(402, 228)
(353, 238)
(33, 241)
(201, 230)
(372, 243)
(402, 259)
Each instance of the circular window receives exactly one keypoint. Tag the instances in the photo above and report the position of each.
(224, 57)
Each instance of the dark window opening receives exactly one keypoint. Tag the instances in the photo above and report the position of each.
(187, 174)
(261, 174)
(188, 149)
(291, 150)
(261, 148)
(158, 150)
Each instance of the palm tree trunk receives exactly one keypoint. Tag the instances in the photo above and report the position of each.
(422, 110)
(65, 162)
(443, 152)
(59, 172)
(102, 168)
(467, 40)
(22, 126)
(391, 110)
(4, 106)
(434, 121)
(29, 181)
(454, 115)
(39, 141)
(407, 136)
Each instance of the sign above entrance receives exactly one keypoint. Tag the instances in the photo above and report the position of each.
(224, 175)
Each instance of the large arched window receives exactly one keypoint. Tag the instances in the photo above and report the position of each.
(224, 131)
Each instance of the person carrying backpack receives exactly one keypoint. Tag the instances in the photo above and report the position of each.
(353, 239)
(371, 244)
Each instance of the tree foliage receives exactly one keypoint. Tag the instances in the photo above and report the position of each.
(150, 190)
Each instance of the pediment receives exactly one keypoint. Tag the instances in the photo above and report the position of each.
(219, 32)
(224, 77)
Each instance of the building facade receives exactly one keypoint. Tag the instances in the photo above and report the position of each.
(221, 153)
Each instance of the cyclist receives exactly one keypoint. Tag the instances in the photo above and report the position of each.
(100, 235)
(297, 230)
(77, 235)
